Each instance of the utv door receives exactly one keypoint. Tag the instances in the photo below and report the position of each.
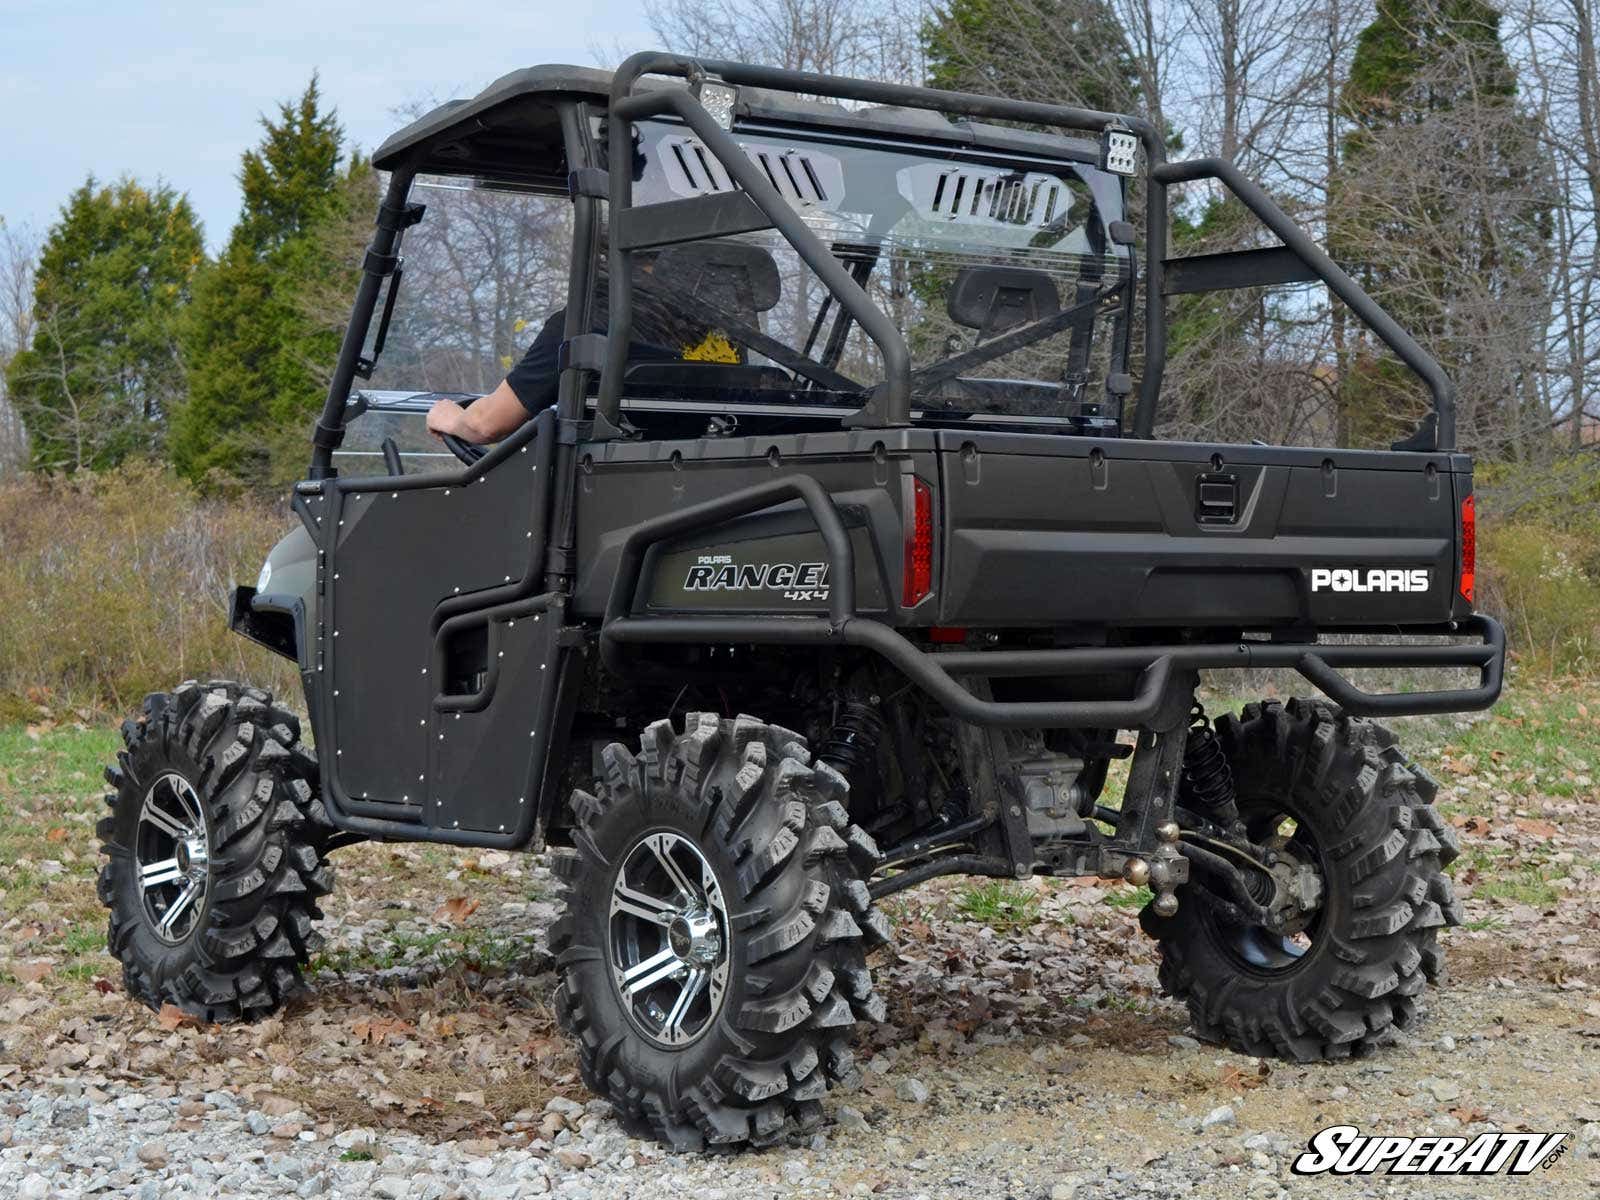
(438, 653)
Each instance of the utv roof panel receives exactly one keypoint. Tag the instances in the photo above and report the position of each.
(509, 130)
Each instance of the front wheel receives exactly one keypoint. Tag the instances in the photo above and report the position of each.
(1333, 796)
(712, 948)
(213, 852)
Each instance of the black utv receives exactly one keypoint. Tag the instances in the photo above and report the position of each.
(843, 557)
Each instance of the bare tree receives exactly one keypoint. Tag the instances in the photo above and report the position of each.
(19, 250)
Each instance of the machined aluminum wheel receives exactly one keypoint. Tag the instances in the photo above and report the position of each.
(172, 854)
(669, 939)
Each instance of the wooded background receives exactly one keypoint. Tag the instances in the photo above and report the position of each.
(1446, 151)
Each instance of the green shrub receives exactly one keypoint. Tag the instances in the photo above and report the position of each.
(116, 584)
(1543, 584)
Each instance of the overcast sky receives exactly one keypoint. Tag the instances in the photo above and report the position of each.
(174, 90)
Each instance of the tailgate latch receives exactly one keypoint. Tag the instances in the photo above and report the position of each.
(1216, 498)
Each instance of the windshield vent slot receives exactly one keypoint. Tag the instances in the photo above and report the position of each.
(976, 196)
(691, 169)
(806, 179)
(792, 173)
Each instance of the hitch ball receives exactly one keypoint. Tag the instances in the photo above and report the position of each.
(1136, 871)
(1165, 905)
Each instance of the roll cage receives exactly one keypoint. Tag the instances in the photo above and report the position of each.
(536, 129)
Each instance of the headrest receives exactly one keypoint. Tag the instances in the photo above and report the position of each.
(995, 299)
(734, 276)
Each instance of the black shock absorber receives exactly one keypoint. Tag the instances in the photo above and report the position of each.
(851, 748)
(1207, 784)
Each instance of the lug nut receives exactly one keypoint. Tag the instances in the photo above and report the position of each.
(1165, 904)
(1137, 872)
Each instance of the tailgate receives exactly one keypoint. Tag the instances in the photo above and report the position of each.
(1055, 530)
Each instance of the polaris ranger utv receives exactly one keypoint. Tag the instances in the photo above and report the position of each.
(864, 574)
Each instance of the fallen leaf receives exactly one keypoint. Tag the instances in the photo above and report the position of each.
(172, 1017)
(380, 1029)
(58, 834)
(1468, 1116)
(455, 910)
(1539, 829)
(32, 972)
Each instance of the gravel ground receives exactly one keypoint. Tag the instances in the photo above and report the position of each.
(1003, 1071)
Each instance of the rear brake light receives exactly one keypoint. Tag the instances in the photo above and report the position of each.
(918, 579)
(1469, 546)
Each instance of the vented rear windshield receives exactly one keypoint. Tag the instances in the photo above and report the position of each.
(998, 269)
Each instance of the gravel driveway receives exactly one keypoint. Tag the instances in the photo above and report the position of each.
(1031, 1061)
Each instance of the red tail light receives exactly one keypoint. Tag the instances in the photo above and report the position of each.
(1469, 546)
(918, 579)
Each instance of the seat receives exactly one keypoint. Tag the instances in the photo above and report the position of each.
(995, 299)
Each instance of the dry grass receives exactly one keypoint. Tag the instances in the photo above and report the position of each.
(115, 585)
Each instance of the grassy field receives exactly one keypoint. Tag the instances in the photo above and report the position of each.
(434, 982)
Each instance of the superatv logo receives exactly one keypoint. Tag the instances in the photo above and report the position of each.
(797, 581)
(1345, 1150)
(1375, 579)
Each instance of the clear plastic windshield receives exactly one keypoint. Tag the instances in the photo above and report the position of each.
(999, 272)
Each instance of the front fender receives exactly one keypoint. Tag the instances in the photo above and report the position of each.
(278, 614)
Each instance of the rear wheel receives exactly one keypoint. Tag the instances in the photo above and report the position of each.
(1334, 796)
(213, 848)
(712, 949)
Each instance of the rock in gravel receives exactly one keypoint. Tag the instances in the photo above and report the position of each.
(1446, 1043)
(258, 1123)
(849, 1118)
(1443, 1090)
(1182, 1041)
(391, 1187)
(33, 1187)
(1065, 1189)
(576, 1159)
(1221, 1115)
(913, 1091)
(153, 1154)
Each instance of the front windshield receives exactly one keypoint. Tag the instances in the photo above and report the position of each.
(998, 270)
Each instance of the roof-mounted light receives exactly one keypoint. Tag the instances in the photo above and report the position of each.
(718, 99)
(1119, 150)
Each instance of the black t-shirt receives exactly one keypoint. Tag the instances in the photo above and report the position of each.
(536, 377)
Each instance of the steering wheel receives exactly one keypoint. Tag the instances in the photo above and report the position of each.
(468, 452)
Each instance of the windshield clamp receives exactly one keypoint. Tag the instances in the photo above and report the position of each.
(401, 216)
(589, 181)
(586, 352)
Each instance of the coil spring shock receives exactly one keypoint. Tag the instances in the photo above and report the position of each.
(851, 748)
(1207, 777)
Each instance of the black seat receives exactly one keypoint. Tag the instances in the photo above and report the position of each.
(736, 277)
(995, 299)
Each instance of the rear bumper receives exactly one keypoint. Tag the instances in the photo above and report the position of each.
(939, 672)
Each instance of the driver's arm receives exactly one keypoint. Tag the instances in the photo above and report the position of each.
(483, 421)
(528, 389)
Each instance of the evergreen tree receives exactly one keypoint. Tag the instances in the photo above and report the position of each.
(102, 372)
(1440, 201)
(256, 359)
(1059, 51)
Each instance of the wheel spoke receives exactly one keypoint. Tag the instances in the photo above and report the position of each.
(659, 846)
(163, 820)
(187, 801)
(636, 903)
(165, 871)
(651, 971)
(672, 1026)
(179, 907)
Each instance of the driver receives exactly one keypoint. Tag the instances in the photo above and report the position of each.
(531, 385)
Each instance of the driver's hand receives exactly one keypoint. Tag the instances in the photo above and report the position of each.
(446, 416)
